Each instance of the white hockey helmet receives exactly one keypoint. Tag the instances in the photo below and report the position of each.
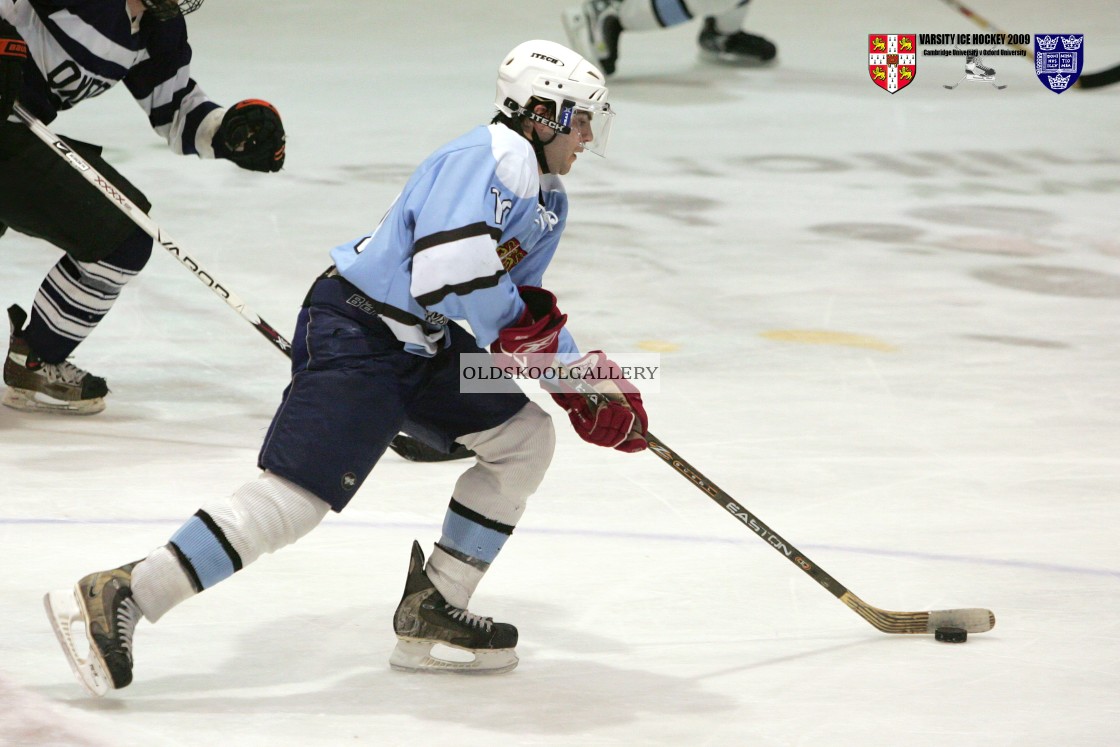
(548, 71)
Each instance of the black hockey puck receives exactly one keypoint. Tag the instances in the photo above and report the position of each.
(951, 635)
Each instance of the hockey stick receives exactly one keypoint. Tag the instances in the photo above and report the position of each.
(984, 23)
(1102, 78)
(972, 620)
(1091, 80)
(149, 226)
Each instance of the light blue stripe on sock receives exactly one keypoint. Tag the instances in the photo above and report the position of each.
(469, 538)
(671, 12)
(206, 555)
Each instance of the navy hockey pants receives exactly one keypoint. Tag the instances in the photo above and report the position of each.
(354, 388)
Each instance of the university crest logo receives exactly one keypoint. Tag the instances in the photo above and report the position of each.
(892, 60)
(1058, 59)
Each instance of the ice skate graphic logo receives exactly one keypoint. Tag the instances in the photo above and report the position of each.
(975, 70)
(1058, 59)
(892, 60)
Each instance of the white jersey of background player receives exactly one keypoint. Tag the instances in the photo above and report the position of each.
(595, 26)
(376, 348)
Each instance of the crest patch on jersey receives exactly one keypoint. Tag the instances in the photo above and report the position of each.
(510, 253)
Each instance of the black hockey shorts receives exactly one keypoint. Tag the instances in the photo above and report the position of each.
(42, 195)
(354, 387)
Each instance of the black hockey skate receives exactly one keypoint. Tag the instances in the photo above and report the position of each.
(35, 386)
(434, 636)
(593, 29)
(739, 48)
(101, 602)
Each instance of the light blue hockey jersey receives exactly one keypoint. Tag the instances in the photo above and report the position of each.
(475, 221)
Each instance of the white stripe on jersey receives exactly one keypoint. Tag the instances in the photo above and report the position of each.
(509, 151)
(93, 40)
(165, 91)
(454, 263)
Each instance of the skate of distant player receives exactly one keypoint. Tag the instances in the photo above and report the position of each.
(376, 351)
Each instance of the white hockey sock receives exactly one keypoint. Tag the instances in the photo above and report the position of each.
(647, 15)
(731, 21)
(455, 579)
(159, 582)
(489, 498)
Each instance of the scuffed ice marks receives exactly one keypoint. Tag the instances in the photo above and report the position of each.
(1052, 280)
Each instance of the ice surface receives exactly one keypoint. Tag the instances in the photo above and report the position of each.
(890, 330)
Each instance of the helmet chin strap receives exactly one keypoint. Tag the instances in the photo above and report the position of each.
(538, 145)
(538, 148)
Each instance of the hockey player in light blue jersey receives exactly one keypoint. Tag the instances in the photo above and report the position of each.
(376, 350)
(54, 54)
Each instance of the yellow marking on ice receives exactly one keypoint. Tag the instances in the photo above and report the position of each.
(659, 346)
(825, 337)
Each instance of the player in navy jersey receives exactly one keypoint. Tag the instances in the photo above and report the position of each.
(377, 349)
(53, 55)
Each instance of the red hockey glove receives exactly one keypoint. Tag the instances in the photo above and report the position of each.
(252, 136)
(620, 422)
(536, 333)
(13, 53)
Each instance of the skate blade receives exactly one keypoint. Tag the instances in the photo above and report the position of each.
(27, 400)
(65, 612)
(415, 655)
(735, 60)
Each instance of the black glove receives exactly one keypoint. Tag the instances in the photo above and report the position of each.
(252, 136)
(13, 53)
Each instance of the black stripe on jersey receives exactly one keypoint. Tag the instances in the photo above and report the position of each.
(194, 119)
(164, 113)
(456, 234)
(221, 537)
(77, 51)
(461, 510)
(462, 289)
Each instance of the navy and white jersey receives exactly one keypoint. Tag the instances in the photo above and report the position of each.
(475, 221)
(82, 48)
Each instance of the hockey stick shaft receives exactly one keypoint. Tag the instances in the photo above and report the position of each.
(984, 23)
(973, 620)
(150, 227)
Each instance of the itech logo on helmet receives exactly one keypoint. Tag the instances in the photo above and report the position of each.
(546, 58)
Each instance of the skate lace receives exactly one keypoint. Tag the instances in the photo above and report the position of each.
(469, 618)
(63, 373)
(128, 614)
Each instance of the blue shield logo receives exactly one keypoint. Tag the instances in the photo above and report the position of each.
(1057, 59)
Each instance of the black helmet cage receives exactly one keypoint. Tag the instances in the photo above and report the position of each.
(166, 9)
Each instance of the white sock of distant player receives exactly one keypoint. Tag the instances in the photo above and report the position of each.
(646, 15)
